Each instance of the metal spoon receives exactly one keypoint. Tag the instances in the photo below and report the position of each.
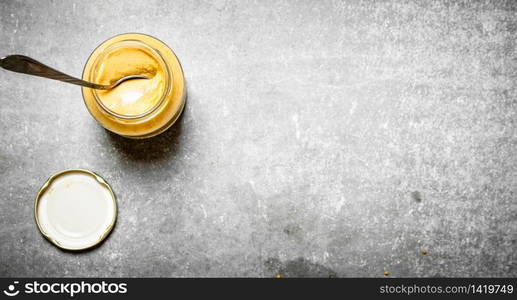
(27, 65)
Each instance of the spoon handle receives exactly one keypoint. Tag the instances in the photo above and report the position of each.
(27, 65)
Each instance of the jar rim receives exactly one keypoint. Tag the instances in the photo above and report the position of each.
(156, 54)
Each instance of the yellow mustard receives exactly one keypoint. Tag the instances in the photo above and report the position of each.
(137, 108)
(132, 97)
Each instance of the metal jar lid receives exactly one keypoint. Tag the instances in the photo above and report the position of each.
(75, 209)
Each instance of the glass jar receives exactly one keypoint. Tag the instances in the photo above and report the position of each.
(166, 106)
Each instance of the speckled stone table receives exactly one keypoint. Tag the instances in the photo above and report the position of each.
(320, 138)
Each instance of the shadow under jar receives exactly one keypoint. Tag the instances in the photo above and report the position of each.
(138, 108)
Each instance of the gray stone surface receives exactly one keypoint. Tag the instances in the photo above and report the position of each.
(320, 138)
